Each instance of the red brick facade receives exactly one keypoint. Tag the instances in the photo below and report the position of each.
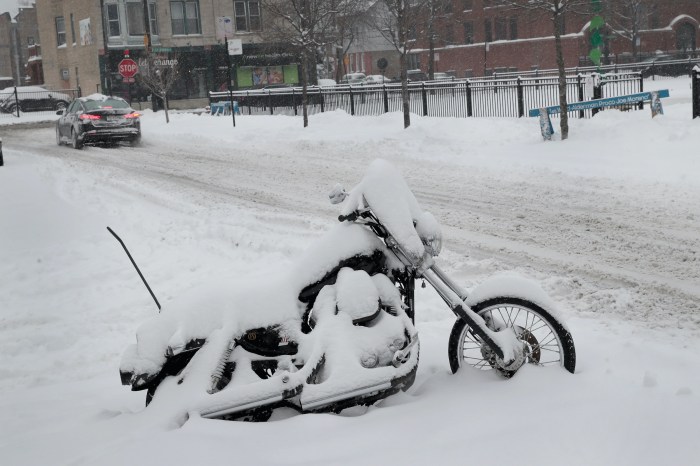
(474, 39)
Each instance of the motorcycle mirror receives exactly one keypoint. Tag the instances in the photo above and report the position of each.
(337, 194)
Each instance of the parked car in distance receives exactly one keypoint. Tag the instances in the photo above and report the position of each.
(98, 119)
(354, 79)
(439, 76)
(377, 79)
(323, 82)
(666, 65)
(416, 75)
(32, 99)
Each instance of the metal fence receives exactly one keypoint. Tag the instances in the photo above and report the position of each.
(495, 97)
(696, 92)
(15, 101)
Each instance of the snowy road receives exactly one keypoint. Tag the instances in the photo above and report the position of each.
(597, 234)
(607, 222)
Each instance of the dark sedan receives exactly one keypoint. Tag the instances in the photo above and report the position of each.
(32, 99)
(98, 119)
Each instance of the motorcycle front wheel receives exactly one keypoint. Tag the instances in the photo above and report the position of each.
(546, 341)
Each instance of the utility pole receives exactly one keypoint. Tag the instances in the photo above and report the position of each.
(228, 71)
(108, 78)
(147, 28)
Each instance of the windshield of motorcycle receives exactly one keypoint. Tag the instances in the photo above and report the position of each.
(384, 190)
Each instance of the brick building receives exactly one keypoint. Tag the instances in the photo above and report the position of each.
(478, 37)
(83, 42)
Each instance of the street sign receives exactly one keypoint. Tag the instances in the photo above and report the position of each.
(235, 47)
(128, 68)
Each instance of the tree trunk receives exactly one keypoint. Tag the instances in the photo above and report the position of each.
(563, 104)
(404, 91)
(165, 108)
(431, 54)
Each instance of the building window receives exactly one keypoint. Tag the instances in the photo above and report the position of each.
(513, 28)
(113, 20)
(449, 35)
(154, 18)
(30, 40)
(467, 5)
(185, 17)
(60, 31)
(247, 16)
(134, 19)
(468, 32)
(488, 36)
(500, 27)
(447, 6)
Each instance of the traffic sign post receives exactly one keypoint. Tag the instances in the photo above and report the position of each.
(128, 68)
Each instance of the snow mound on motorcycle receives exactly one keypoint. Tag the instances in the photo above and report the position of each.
(392, 201)
(272, 300)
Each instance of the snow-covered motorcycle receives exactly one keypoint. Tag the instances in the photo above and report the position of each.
(337, 330)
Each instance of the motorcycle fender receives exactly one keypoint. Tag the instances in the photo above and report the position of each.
(510, 285)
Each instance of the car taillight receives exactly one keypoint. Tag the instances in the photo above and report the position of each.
(132, 115)
(87, 116)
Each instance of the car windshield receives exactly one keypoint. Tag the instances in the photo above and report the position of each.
(105, 104)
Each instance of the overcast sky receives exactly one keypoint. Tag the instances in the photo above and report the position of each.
(13, 5)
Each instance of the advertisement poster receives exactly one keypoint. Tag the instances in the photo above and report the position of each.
(224, 28)
(85, 32)
(261, 76)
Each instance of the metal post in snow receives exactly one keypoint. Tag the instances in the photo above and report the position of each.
(228, 72)
(696, 92)
(521, 98)
(16, 102)
(469, 99)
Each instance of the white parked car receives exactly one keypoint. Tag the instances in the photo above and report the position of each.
(354, 79)
(323, 82)
(376, 79)
(439, 76)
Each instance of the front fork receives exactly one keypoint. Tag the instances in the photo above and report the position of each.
(454, 297)
(504, 344)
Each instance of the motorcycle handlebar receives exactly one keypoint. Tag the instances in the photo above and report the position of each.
(351, 217)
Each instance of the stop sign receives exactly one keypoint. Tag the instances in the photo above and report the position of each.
(128, 68)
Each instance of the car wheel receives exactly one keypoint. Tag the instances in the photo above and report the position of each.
(136, 141)
(76, 143)
(13, 108)
(61, 105)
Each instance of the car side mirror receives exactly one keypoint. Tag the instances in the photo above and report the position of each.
(59, 112)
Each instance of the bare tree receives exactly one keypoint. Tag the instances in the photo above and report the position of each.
(627, 18)
(399, 23)
(556, 10)
(306, 26)
(159, 74)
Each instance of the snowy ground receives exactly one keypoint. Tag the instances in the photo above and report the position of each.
(607, 222)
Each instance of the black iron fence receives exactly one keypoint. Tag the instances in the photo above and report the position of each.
(14, 101)
(494, 97)
(696, 92)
